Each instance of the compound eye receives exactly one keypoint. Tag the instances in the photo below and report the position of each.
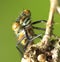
(27, 12)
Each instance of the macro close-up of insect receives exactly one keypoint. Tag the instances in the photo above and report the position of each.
(24, 30)
(29, 31)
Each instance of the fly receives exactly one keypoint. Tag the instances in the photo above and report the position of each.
(24, 30)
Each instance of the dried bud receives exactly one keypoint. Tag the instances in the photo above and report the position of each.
(41, 58)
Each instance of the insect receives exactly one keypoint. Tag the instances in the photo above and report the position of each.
(23, 28)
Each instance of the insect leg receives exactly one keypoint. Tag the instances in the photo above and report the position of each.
(19, 49)
(39, 36)
(38, 28)
(26, 34)
(35, 37)
(39, 21)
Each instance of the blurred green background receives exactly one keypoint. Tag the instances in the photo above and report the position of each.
(9, 11)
